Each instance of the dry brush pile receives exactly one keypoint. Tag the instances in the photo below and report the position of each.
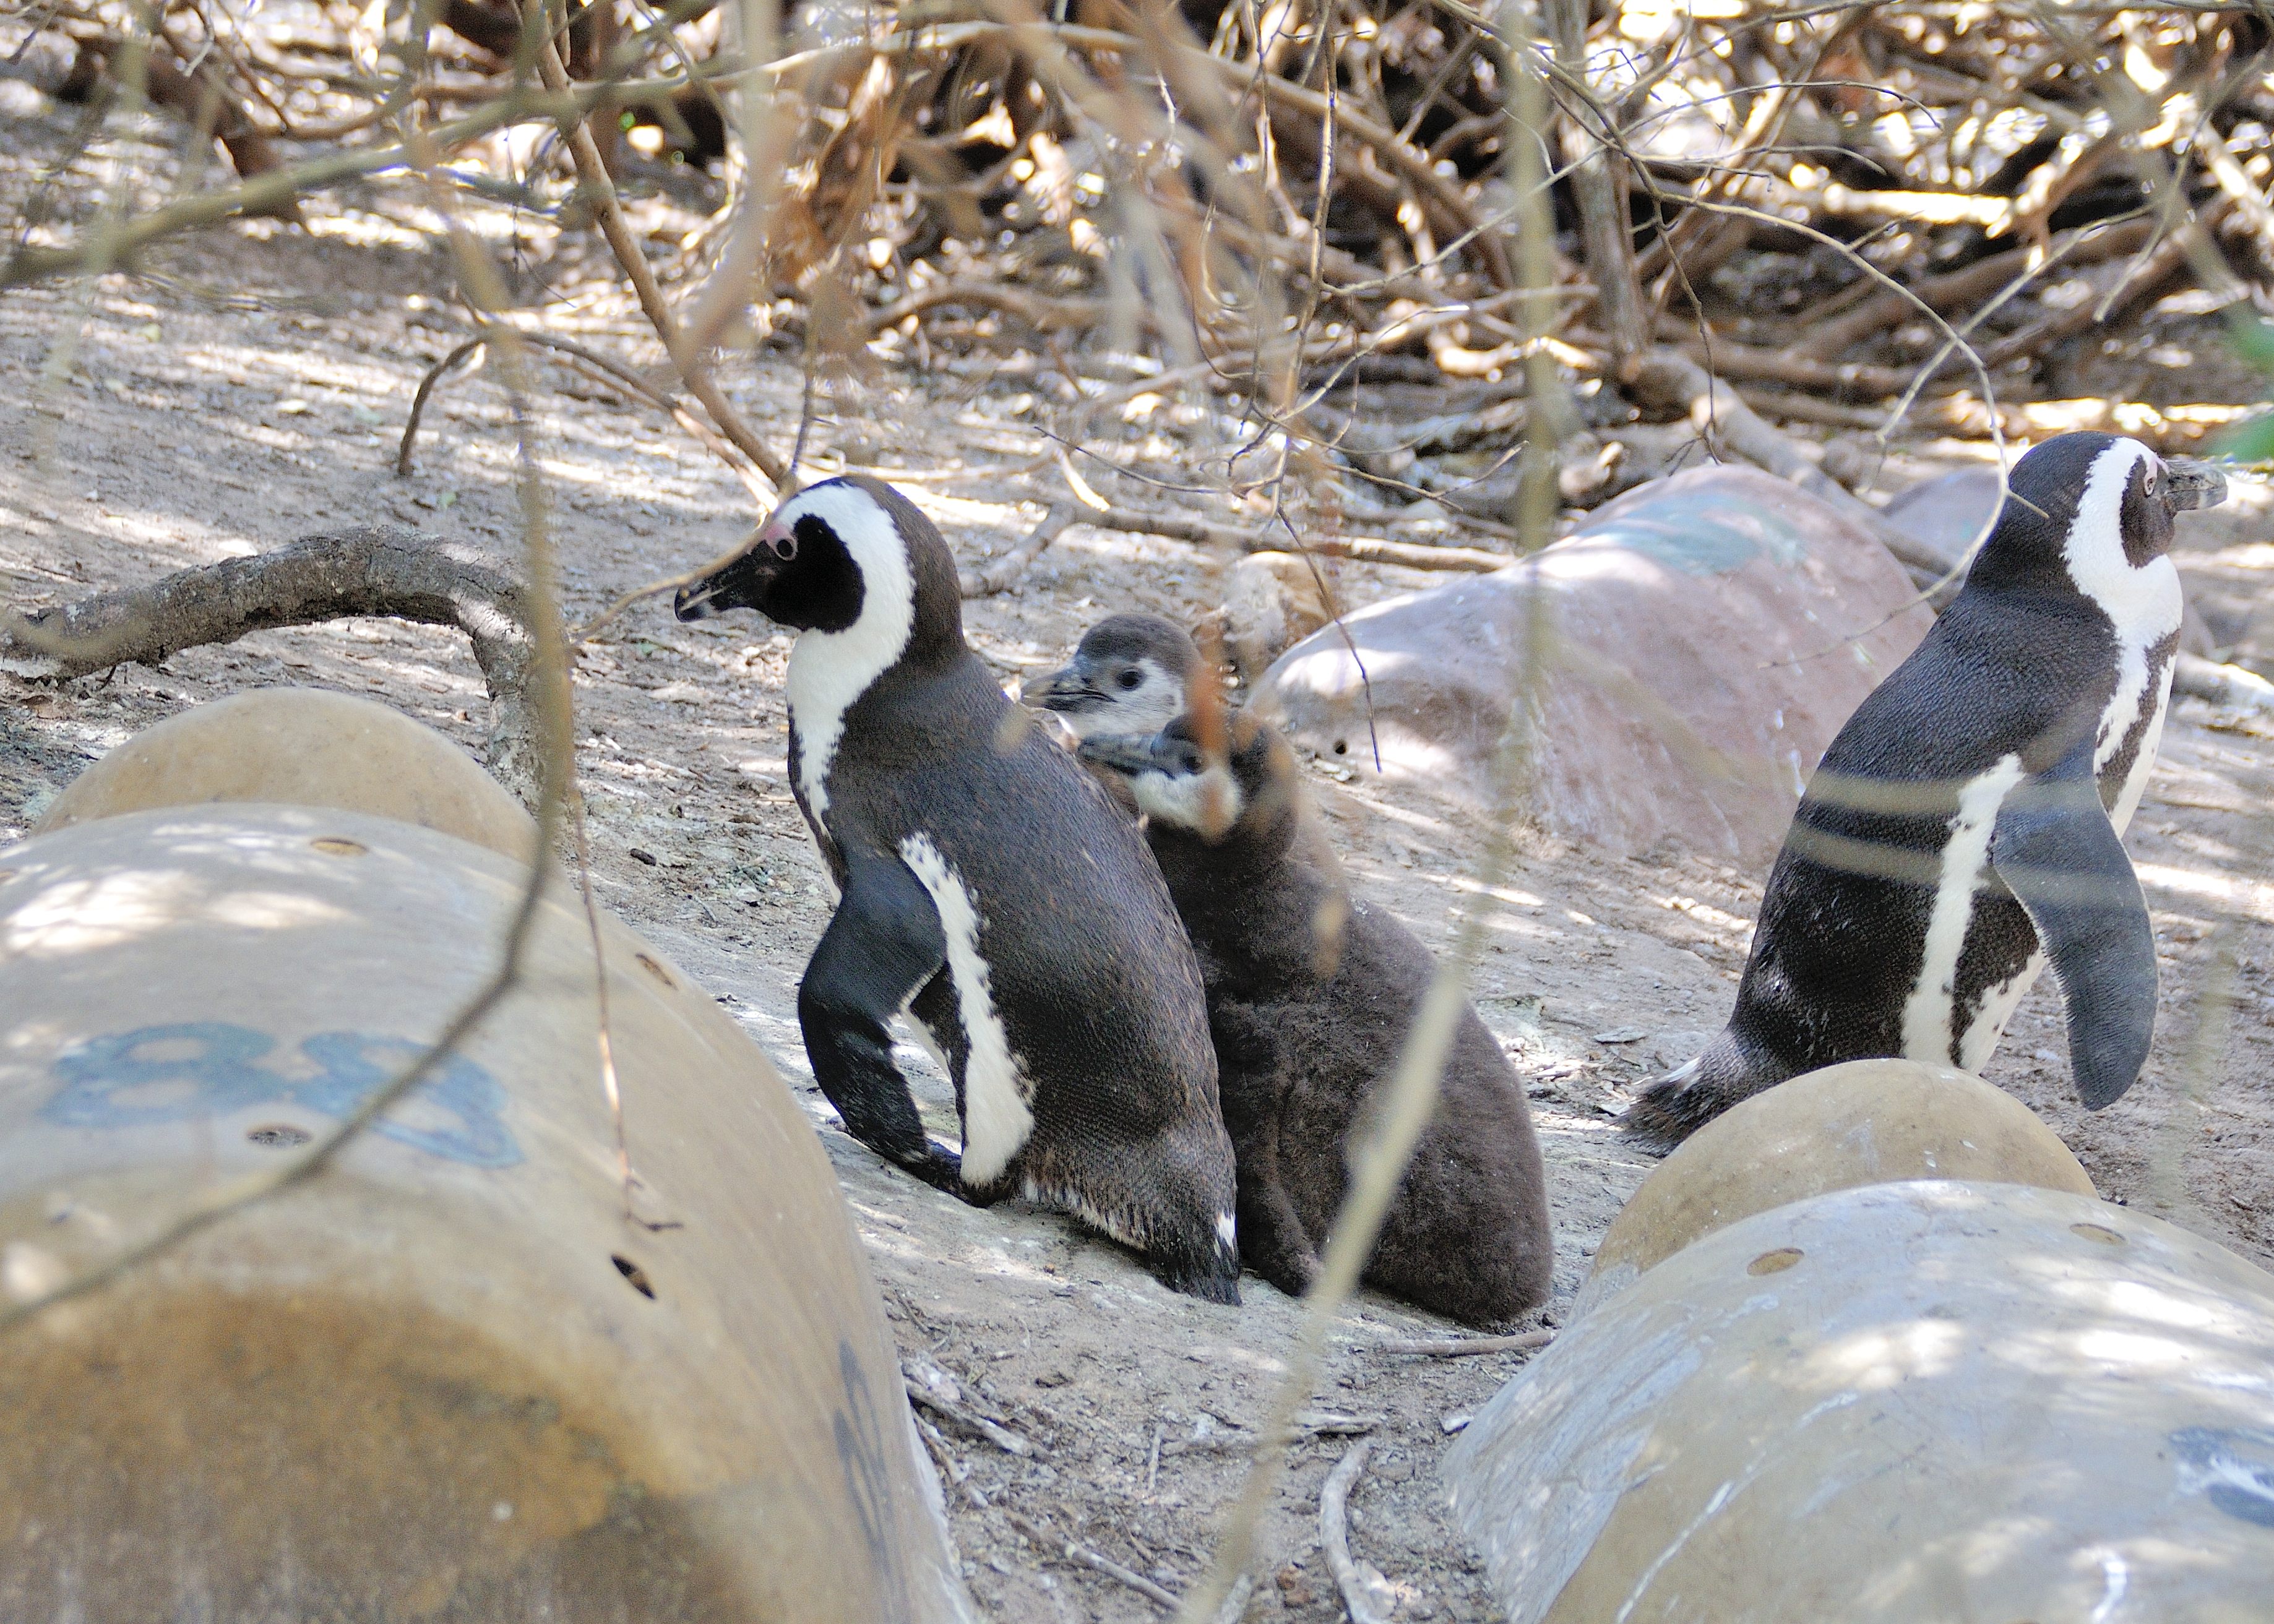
(1878, 218)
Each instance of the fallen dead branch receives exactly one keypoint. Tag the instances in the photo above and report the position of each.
(377, 570)
(948, 1409)
(1365, 549)
(1002, 573)
(1720, 415)
(1303, 1427)
(2165, 428)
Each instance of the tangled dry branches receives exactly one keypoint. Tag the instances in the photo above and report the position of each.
(1849, 215)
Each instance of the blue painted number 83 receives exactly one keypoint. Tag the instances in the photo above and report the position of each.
(209, 1067)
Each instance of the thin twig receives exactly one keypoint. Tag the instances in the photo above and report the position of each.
(1459, 1347)
(611, 1087)
(1379, 1161)
(592, 176)
(433, 376)
(1334, 1534)
(1095, 1562)
(955, 1469)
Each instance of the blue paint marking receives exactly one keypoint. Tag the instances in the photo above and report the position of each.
(2233, 1466)
(206, 1068)
(1701, 533)
(117, 1082)
(471, 1095)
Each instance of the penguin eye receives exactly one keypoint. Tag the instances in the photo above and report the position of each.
(785, 547)
(2149, 484)
(1131, 677)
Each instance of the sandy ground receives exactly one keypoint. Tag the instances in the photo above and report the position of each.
(251, 391)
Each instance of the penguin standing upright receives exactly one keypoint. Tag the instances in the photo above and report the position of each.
(1963, 827)
(1312, 994)
(989, 888)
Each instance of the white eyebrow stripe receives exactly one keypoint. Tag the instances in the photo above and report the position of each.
(829, 671)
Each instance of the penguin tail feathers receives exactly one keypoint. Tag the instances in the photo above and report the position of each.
(1687, 1098)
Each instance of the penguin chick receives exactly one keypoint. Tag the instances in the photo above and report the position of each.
(1311, 995)
(1130, 676)
(989, 888)
(1964, 825)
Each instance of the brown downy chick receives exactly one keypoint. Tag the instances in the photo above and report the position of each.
(1311, 995)
(1130, 677)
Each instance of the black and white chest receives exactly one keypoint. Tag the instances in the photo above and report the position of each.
(2084, 592)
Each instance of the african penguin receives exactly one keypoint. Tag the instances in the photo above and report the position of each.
(1129, 677)
(1311, 995)
(1963, 827)
(1132, 675)
(989, 888)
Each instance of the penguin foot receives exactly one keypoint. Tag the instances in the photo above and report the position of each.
(1660, 1120)
(939, 1167)
(1190, 1259)
(1677, 1106)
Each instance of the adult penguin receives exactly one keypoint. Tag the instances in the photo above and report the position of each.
(1963, 828)
(990, 889)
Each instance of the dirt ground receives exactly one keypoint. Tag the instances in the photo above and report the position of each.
(247, 389)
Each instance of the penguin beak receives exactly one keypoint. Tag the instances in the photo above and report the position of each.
(2190, 483)
(696, 602)
(1124, 752)
(738, 580)
(1062, 689)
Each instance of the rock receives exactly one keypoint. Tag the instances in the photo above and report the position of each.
(1712, 633)
(1270, 601)
(1866, 1122)
(1947, 514)
(449, 1377)
(1894, 1404)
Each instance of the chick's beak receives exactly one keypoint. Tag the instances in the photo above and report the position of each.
(1124, 753)
(1060, 690)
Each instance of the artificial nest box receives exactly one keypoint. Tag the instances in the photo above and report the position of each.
(300, 747)
(1863, 1123)
(446, 1379)
(1898, 1403)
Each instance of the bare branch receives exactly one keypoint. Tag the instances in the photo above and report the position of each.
(375, 570)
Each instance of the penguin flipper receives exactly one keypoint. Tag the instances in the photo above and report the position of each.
(883, 944)
(2056, 851)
